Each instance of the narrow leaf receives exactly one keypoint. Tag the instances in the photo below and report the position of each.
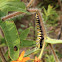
(17, 4)
(27, 43)
(31, 51)
(24, 34)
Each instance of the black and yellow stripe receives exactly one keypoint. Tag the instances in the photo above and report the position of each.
(39, 33)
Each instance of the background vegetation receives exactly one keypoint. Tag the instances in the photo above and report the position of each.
(25, 24)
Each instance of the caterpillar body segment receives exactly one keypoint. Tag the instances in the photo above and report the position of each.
(39, 33)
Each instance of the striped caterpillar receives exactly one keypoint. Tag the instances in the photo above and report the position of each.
(39, 33)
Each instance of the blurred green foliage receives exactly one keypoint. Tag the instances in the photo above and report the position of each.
(59, 54)
(49, 58)
(50, 16)
(24, 33)
(45, 3)
(12, 5)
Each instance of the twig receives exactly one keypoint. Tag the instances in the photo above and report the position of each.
(55, 56)
(59, 1)
(11, 15)
(59, 34)
(15, 13)
(29, 4)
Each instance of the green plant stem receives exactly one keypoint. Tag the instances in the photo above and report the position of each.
(11, 15)
(2, 56)
(45, 35)
(41, 53)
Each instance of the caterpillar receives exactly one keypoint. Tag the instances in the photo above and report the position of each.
(40, 37)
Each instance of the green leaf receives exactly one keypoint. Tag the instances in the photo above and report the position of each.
(11, 37)
(0, 37)
(24, 33)
(49, 10)
(52, 41)
(3, 41)
(31, 51)
(2, 14)
(0, 21)
(13, 8)
(17, 4)
(11, 5)
(27, 43)
(45, 11)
